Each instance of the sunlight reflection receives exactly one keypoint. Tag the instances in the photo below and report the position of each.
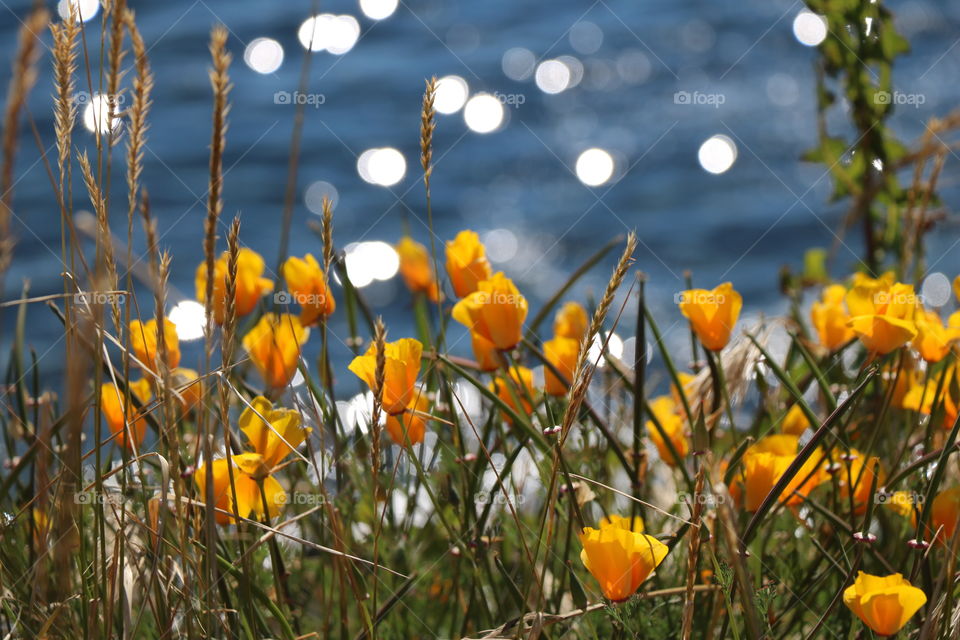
(452, 92)
(263, 55)
(378, 9)
(327, 32)
(188, 317)
(717, 154)
(384, 166)
(369, 261)
(809, 28)
(594, 167)
(483, 113)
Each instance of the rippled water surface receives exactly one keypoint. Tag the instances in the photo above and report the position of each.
(696, 112)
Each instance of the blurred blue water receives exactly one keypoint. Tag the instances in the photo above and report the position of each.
(741, 225)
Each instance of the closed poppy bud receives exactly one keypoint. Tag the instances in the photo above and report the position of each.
(829, 316)
(488, 358)
(883, 319)
(956, 288)
(250, 285)
(765, 462)
(112, 408)
(309, 288)
(273, 433)
(145, 342)
(416, 268)
(249, 497)
(856, 470)
(619, 558)
(519, 387)
(933, 340)
(274, 346)
(945, 511)
(401, 368)
(188, 386)
(496, 311)
(666, 412)
(467, 263)
(412, 424)
(712, 314)
(883, 603)
(795, 422)
(561, 353)
(571, 321)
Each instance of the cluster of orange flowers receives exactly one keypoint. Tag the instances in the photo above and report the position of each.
(883, 314)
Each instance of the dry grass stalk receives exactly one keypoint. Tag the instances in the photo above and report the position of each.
(106, 266)
(428, 123)
(139, 108)
(583, 372)
(24, 76)
(114, 60)
(220, 81)
(327, 233)
(64, 69)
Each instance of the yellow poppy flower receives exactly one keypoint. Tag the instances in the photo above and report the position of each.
(561, 353)
(410, 421)
(883, 603)
(795, 422)
(829, 316)
(712, 314)
(467, 263)
(249, 497)
(520, 386)
(945, 511)
(620, 559)
(883, 319)
(571, 321)
(401, 368)
(251, 284)
(188, 385)
(129, 433)
(922, 398)
(666, 412)
(274, 346)
(765, 462)
(273, 433)
(496, 311)
(485, 352)
(857, 469)
(933, 340)
(416, 268)
(144, 342)
(309, 288)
